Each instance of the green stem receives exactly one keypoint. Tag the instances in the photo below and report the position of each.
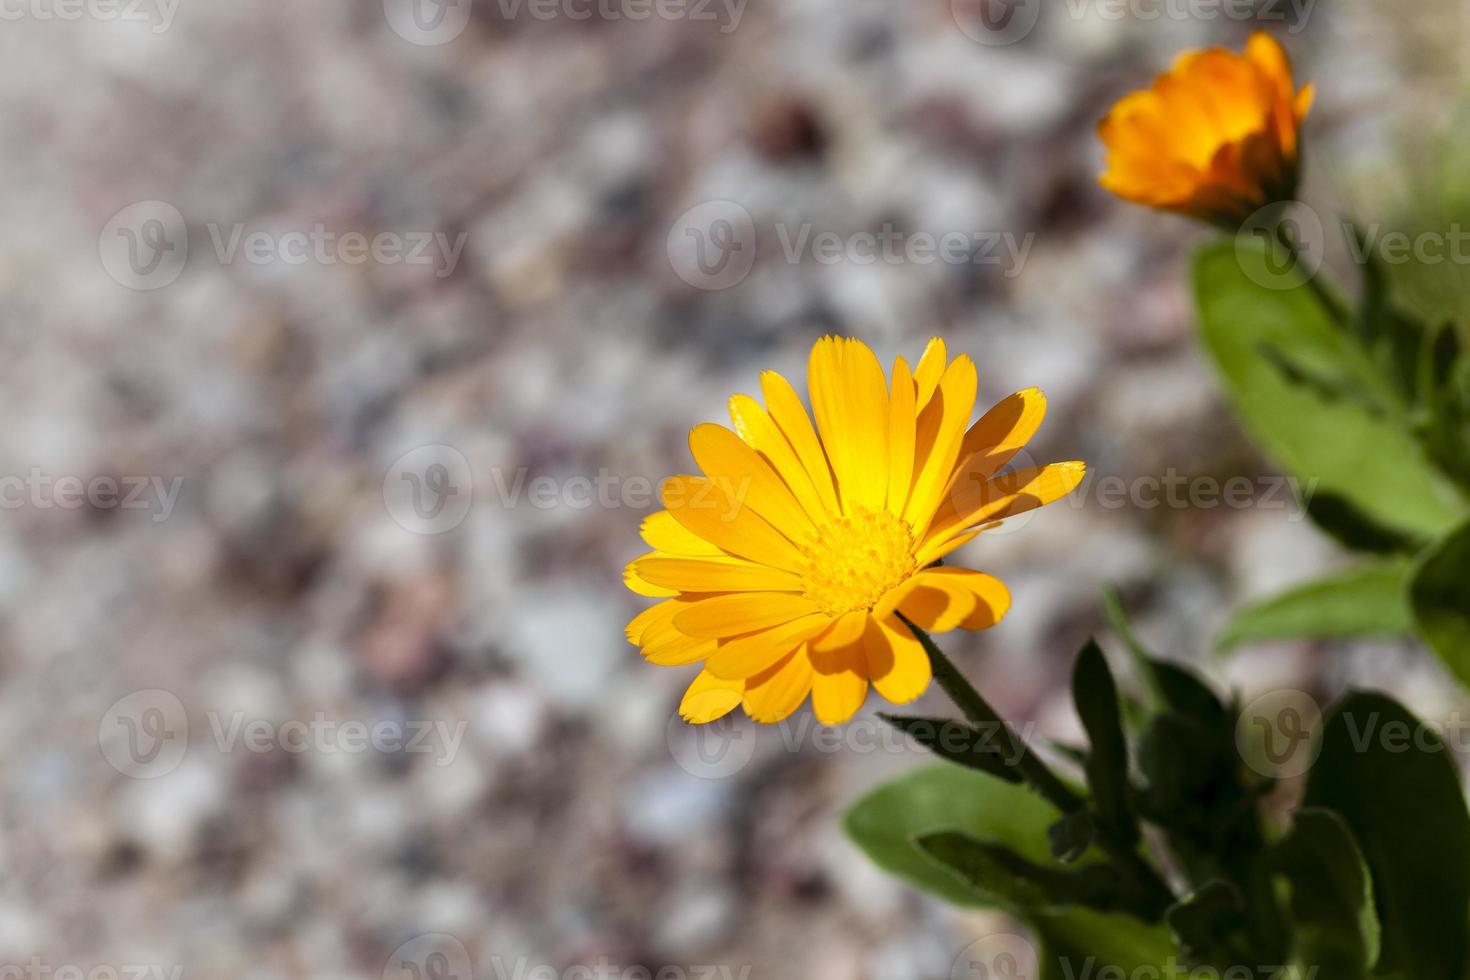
(1038, 775)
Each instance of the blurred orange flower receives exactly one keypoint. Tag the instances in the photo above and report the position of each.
(783, 569)
(1215, 137)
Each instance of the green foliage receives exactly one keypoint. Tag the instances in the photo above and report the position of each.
(1367, 600)
(1371, 879)
(1331, 893)
(889, 824)
(1350, 436)
(1440, 595)
(1395, 786)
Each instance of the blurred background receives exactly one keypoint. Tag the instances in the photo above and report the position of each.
(342, 344)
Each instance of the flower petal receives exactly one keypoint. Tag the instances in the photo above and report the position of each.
(773, 694)
(725, 456)
(709, 697)
(746, 656)
(712, 574)
(897, 662)
(724, 616)
(710, 509)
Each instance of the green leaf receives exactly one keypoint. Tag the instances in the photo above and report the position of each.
(1363, 601)
(995, 870)
(1211, 926)
(1439, 592)
(1393, 483)
(886, 824)
(1331, 894)
(1354, 529)
(1395, 785)
(959, 743)
(1096, 697)
(1071, 836)
(1174, 686)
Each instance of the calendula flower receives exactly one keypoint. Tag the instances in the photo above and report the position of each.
(1215, 137)
(783, 569)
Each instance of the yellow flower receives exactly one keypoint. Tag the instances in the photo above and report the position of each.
(1215, 137)
(783, 568)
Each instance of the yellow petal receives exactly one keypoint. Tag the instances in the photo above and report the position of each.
(939, 440)
(709, 697)
(847, 630)
(652, 617)
(791, 418)
(746, 656)
(936, 604)
(1008, 495)
(741, 612)
(929, 370)
(985, 597)
(850, 403)
(760, 432)
(773, 694)
(673, 649)
(665, 534)
(725, 456)
(837, 697)
(634, 580)
(713, 574)
(711, 510)
(897, 663)
(901, 424)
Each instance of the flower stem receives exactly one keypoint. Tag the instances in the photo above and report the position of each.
(1155, 891)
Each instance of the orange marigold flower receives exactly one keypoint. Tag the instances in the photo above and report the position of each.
(783, 569)
(1215, 137)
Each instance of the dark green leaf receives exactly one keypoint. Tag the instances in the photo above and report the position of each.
(1355, 529)
(1331, 894)
(959, 743)
(1071, 836)
(1362, 601)
(1211, 926)
(1393, 782)
(994, 870)
(885, 823)
(1439, 593)
(1306, 435)
(1096, 698)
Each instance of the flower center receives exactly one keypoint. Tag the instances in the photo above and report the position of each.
(852, 560)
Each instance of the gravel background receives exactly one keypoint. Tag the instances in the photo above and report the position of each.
(270, 568)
